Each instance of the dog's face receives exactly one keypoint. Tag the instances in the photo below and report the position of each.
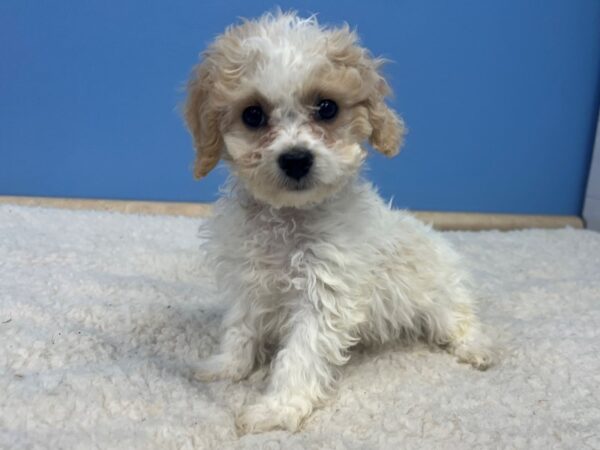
(289, 105)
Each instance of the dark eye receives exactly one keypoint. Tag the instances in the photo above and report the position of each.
(326, 110)
(254, 116)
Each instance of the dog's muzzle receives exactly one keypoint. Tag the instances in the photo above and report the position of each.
(296, 163)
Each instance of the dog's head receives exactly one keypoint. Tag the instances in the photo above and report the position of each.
(289, 104)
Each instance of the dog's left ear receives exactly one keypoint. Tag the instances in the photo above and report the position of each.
(388, 131)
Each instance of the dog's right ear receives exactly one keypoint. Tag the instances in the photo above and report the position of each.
(203, 121)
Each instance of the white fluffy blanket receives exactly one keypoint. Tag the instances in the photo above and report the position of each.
(101, 313)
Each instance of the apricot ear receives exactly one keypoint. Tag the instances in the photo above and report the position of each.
(388, 128)
(203, 122)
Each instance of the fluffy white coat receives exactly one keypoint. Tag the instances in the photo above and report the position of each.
(312, 267)
(312, 284)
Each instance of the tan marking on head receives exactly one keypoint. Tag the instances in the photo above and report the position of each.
(213, 85)
(361, 79)
(268, 137)
(203, 122)
(352, 79)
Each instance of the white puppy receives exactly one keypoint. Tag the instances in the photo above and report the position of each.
(308, 256)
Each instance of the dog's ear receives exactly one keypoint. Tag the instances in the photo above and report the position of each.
(388, 129)
(203, 121)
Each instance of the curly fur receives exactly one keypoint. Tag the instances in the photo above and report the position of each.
(313, 270)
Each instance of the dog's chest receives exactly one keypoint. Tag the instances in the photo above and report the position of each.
(277, 240)
(275, 251)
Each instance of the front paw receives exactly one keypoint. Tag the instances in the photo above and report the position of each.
(479, 357)
(477, 351)
(219, 367)
(270, 414)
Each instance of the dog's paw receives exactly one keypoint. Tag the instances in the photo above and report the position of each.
(267, 415)
(478, 357)
(472, 346)
(476, 352)
(206, 371)
(218, 367)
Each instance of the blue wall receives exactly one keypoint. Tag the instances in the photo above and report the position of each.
(500, 97)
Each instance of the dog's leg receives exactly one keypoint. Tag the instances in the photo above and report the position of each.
(469, 344)
(237, 354)
(302, 374)
(455, 326)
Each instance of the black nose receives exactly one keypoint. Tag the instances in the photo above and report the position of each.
(296, 163)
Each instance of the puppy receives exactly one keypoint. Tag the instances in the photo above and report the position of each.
(309, 258)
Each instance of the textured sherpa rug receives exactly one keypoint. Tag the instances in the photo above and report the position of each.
(102, 313)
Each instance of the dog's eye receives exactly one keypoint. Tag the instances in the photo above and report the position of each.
(254, 116)
(326, 110)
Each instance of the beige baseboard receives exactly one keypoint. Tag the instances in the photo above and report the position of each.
(124, 206)
(481, 221)
(440, 220)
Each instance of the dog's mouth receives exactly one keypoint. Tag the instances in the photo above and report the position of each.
(298, 186)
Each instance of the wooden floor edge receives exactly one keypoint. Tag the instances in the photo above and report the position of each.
(123, 206)
(440, 220)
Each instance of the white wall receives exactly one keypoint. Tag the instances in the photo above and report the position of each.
(591, 209)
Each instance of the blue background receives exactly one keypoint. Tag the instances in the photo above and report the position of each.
(501, 97)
